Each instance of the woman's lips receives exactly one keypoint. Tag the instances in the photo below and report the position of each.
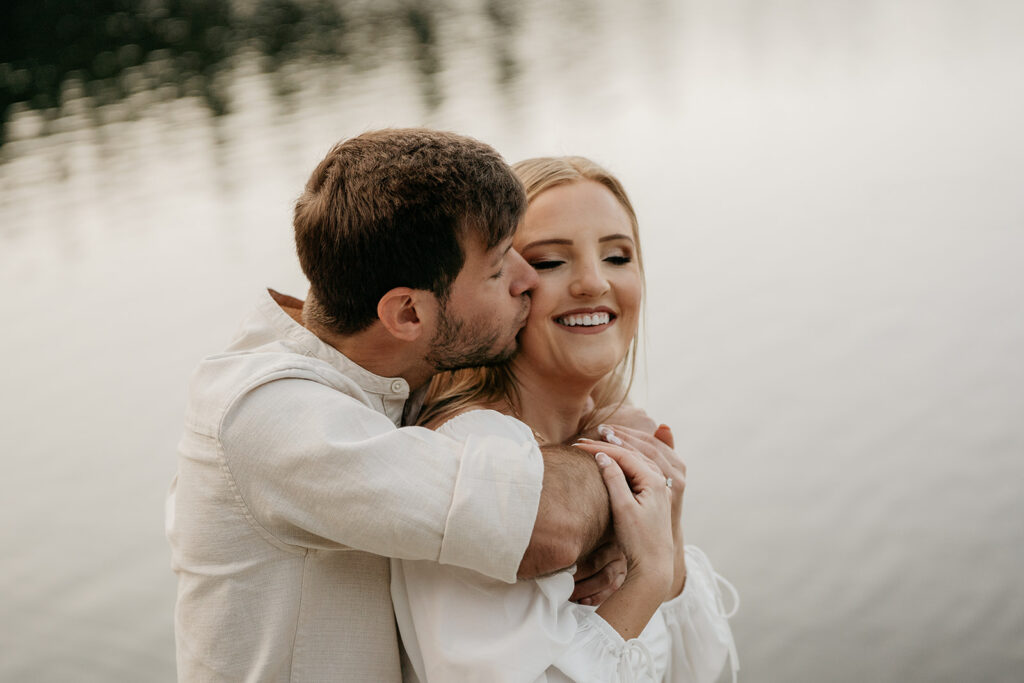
(591, 322)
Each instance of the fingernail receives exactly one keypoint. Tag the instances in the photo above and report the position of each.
(609, 435)
(586, 601)
(602, 458)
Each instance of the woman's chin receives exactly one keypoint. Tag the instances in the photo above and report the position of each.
(572, 366)
(589, 370)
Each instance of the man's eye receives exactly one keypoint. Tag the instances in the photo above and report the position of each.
(498, 274)
(618, 260)
(546, 265)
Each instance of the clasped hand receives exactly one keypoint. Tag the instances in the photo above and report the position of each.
(640, 455)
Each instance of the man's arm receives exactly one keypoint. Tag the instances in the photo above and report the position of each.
(573, 516)
(312, 467)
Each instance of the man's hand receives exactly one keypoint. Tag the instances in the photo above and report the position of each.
(573, 515)
(599, 574)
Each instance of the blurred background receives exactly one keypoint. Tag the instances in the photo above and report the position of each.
(831, 198)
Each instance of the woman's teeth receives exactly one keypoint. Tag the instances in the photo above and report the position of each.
(588, 319)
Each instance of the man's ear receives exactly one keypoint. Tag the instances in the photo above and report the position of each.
(405, 313)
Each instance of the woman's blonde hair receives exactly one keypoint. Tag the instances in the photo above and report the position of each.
(454, 392)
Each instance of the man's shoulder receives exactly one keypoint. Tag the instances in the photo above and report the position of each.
(222, 379)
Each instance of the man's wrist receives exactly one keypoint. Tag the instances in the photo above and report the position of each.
(573, 516)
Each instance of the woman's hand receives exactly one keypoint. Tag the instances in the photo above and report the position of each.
(659, 450)
(641, 514)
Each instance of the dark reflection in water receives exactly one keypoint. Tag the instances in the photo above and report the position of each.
(52, 51)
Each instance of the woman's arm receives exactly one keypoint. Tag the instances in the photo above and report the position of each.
(459, 625)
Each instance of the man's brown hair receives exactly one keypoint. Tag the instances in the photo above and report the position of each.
(392, 208)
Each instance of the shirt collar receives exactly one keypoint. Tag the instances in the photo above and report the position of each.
(311, 345)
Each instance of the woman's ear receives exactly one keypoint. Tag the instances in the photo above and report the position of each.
(405, 313)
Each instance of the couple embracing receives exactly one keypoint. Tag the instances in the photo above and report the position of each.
(427, 470)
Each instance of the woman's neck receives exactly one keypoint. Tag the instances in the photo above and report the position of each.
(551, 406)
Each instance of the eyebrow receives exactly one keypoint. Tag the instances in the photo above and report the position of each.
(606, 238)
(498, 258)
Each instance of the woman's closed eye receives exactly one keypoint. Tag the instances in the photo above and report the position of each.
(618, 260)
(546, 264)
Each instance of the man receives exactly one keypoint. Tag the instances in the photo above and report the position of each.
(295, 482)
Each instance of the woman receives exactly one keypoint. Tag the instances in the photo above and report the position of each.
(572, 371)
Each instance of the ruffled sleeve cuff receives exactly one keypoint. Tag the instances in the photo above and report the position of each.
(697, 624)
(599, 653)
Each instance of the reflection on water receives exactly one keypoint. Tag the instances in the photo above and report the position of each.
(107, 51)
(829, 195)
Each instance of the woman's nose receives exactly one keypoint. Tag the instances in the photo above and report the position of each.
(588, 281)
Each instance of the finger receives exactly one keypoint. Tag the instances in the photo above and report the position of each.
(594, 591)
(636, 434)
(595, 446)
(620, 495)
(646, 444)
(609, 577)
(664, 434)
(636, 470)
(597, 598)
(593, 563)
(663, 450)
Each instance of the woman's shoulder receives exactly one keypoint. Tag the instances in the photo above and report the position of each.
(485, 421)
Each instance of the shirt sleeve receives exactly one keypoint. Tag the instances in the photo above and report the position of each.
(697, 625)
(315, 468)
(459, 625)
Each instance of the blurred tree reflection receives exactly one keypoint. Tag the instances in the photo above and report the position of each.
(54, 51)
(114, 48)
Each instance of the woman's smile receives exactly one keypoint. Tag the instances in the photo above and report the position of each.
(586, 320)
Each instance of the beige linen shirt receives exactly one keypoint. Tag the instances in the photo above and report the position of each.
(295, 485)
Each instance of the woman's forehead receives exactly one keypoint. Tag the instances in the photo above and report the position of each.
(582, 209)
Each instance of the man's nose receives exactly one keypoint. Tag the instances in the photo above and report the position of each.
(524, 276)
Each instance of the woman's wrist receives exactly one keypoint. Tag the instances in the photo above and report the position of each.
(630, 608)
(679, 573)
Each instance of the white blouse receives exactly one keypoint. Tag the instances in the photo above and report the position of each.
(459, 625)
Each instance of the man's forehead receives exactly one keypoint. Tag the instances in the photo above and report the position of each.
(492, 254)
(502, 248)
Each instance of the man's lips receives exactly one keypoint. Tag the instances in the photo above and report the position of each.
(525, 314)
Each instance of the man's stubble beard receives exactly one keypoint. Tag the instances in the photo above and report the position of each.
(458, 344)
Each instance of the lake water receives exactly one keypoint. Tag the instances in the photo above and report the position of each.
(831, 197)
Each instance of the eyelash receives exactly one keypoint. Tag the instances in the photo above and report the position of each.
(498, 275)
(549, 264)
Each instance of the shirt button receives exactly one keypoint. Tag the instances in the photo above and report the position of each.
(398, 386)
